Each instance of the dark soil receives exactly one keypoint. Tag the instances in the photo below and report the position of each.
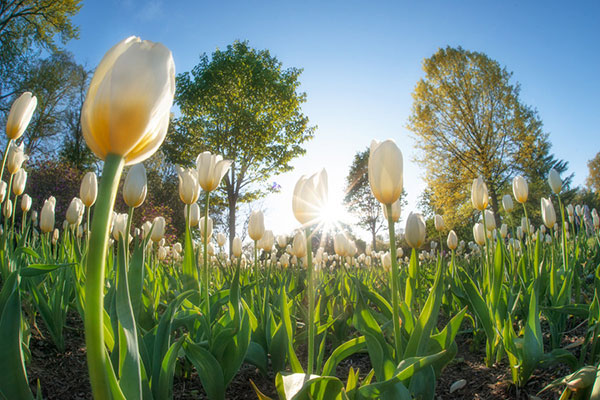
(63, 375)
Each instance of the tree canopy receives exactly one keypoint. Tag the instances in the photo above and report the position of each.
(240, 103)
(469, 121)
(593, 179)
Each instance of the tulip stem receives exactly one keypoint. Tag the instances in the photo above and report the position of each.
(127, 230)
(94, 287)
(4, 158)
(311, 302)
(394, 282)
(14, 210)
(205, 260)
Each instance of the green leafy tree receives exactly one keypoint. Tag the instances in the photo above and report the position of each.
(593, 179)
(240, 103)
(360, 200)
(27, 26)
(469, 121)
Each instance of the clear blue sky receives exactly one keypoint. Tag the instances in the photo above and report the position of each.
(361, 60)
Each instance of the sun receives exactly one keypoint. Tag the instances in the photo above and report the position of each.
(331, 215)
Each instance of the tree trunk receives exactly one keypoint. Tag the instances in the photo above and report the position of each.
(232, 201)
(494, 202)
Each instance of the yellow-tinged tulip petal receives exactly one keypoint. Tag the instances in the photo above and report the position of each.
(20, 114)
(385, 171)
(127, 108)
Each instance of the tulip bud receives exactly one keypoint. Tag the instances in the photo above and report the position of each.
(55, 236)
(189, 189)
(438, 222)
(399, 252)
(579, 210)
(25, 203)
(479, 194)
(177, 247)
(299, 245)
(256, 225)
(136, 186)
(34, 216)
(452, 240)
(386, 261)
(194, 214)
(211, 169)
(490, 221)
(120, 227)
(339, 244)
(75, 211)
(20, 114)
(520, 189)
(7, 209)
(479, 233)
(127, 108)
(520, 232)
(554, 181)
(221, 239)
(47, 215)
(162, 253)
(414, 233)
(543, 229)
(208, 227)
(570, 210)
(284, 260)
(158, 229)
(3, 187)
(596, 221)
(504, 231)
(282, 241)
(507, 203)
(396, 209)
(385, 171)
(236, 247)
(19, 181)
(89, 189)
(266, 242)
(15, 157)
(310, 197)
(548, 214)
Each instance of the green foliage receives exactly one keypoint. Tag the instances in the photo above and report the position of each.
(240, 103)
(469, 121)
(593, 179)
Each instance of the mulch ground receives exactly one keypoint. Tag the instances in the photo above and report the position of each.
(63, 375)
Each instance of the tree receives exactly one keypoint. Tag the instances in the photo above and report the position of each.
(240, 103)
(469, 121)
(59, 83)
(593, 179)
(29, 25)
(360, 200)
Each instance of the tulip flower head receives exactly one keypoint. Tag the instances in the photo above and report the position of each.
(479, 233)
(385, 171)
(520, 189)
(127, 108)
(209, 227)
(503, 231)
(438, 222)
(194, 214)
(452, 240)
(267, 241)
(507, 203)
(236, 247)
(396, 210)
(20, 114)
(256, 225)
(548, 214)
(3, 188)
(554, 181)
(158, 229)
(47, 215)
(15, 157)
(135, 186)
(490, 221)
(310, 198)
(7, 208)
(25, 203)
(479, 194)
(414, 233)
(299, 245)
(19, 181)
(189, 189)
(221, 239)
(282, 241)
(211, 169)
(75, 211)
(89, 189)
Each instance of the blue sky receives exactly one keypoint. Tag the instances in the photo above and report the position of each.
(362, 59)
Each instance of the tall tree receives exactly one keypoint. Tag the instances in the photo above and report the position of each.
(240, 103)
(469, 121)
(593, 179)
(58, 82)
(360, 200)
(27, 25)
